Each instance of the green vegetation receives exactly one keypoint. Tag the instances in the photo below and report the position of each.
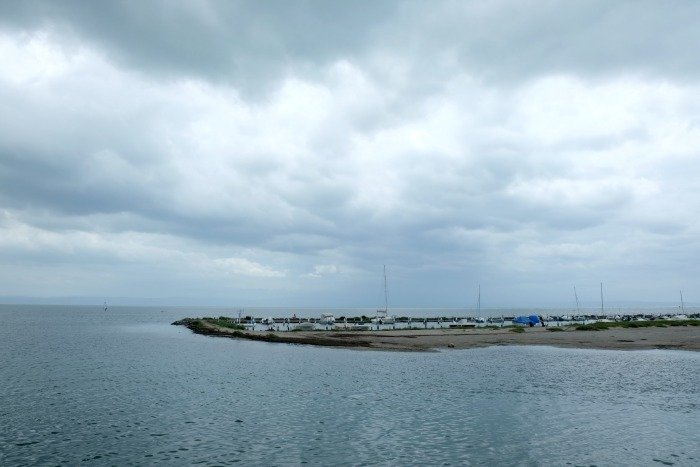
(594, 327)
(555, 329)
(224, 322)
(601, 326)
(517, 329)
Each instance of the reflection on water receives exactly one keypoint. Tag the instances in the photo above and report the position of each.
(128, 388)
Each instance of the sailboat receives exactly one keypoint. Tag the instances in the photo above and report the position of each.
(579, 316)
(478, 301)
(479, 318)
(383, 314)
(104, 306)
(682, 314)
(682, 304)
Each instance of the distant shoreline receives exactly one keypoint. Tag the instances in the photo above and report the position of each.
(675, 337)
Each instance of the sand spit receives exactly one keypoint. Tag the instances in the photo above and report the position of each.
(676, 337)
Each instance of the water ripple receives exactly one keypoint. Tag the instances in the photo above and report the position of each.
(104, 392)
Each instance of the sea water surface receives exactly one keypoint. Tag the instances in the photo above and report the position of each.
(79, 385)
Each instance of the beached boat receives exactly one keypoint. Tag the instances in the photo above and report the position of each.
(327, 319)
(305, 327)
(530, 320)
(352, 327)
(462, 324)
(383, 318)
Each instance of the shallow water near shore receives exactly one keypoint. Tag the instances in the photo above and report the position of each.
(124, 387)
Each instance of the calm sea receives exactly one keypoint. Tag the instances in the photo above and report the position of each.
(82, 386)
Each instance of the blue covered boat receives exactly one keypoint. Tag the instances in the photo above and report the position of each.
(531, 320)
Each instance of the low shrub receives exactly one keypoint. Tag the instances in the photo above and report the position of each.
(224, 323)
(637, 324)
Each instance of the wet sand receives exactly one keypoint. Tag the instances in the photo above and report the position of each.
(675, 337)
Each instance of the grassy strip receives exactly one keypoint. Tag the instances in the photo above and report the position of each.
(601, 326)
(225, 322)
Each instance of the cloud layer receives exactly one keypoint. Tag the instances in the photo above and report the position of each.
(280, 153)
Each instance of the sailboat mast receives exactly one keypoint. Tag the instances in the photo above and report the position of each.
(478, 301)
(578, 308)
(602, 306)
(682, 304)
(386, 295)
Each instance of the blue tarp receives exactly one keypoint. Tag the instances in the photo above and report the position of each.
(526, 320)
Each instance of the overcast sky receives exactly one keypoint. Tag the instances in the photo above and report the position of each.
(279, 153)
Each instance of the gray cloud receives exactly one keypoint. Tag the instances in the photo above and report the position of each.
(281, 152)
(508, 41)
(249, 44)
(253, 43)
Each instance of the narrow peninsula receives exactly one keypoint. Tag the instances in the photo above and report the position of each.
(680, 335)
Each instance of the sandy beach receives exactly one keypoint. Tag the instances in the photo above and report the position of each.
(675, 337)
